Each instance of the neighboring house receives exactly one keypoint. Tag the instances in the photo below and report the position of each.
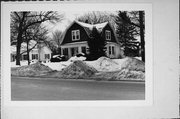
(77, 34)
(40, 52)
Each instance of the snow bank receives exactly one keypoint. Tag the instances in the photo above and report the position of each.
(126, 74)
(133, 64)
(35, 69)
(119, 69)
(57, 65)
(23, 63)
(75, 58)
(131, 69)
(106, 64)
(78, 69)
(103, 68)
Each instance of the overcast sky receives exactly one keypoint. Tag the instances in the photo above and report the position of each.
(69, 16)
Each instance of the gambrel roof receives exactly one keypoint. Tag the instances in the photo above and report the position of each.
(88, 27)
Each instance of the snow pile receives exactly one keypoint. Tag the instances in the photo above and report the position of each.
(132, 69)
(75, 58)
(120, 69)
(78, 69)
(126, 74)
(35, 69)
(107, 64)
(23, 63)
(134, 64)
(57, 65)
(103, 68)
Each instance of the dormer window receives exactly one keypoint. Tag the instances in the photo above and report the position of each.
(108, 35)
(75, 35)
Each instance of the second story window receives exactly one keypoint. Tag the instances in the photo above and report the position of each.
(75, 35)
(108, 35)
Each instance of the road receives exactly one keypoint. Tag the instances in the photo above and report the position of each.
(40, 89)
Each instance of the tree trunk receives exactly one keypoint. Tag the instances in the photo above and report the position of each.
(18, 54)
(28, 52)
(39, 52)
(19, 40)
(141, 18)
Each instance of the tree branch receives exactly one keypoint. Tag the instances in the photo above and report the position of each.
(29, 49)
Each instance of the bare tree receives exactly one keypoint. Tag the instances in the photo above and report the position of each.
(36, 33)
(21, 21)
(95, 17)
(57, 39)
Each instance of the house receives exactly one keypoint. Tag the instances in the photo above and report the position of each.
(39, 52)
(77, 34)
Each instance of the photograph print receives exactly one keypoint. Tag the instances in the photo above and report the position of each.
(73, 55)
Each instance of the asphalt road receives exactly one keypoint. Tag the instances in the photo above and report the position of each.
(40, 89)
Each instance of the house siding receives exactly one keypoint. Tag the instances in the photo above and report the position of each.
(68, 35)
(68, 43)
(40, 52)
(77, 45)
(107, 27)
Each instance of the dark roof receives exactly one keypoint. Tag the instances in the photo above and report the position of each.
(88, 27)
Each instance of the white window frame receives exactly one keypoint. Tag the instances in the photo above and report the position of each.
(108, 35)
(75, 33)
(35, 56)
(111, 52)
(46, 56)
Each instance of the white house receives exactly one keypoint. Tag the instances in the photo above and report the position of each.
(40, 52)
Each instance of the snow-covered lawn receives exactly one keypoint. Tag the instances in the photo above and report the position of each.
(58, 65)
(106, 64)
(102, 68)
(101, 64)
(23, 63)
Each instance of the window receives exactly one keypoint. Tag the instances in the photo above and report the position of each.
(65, 51)
(34, 56)
(47, 56)
(111, 50)
(75, 35)
(74, 51)
(24, 57)
(83, 49)
(13, 57)
(108, 35)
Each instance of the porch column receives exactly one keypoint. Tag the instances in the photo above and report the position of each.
(79, 49)
(107, 50)
(69, 52)
(62, 51)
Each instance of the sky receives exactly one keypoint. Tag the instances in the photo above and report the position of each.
(69, 17)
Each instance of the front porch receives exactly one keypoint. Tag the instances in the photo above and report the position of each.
(71, 49)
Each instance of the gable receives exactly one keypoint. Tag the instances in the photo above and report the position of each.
(85, 31)
(68, 34)
(109, 28)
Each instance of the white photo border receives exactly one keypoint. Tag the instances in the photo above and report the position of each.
(83, 7)
(50, 6)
